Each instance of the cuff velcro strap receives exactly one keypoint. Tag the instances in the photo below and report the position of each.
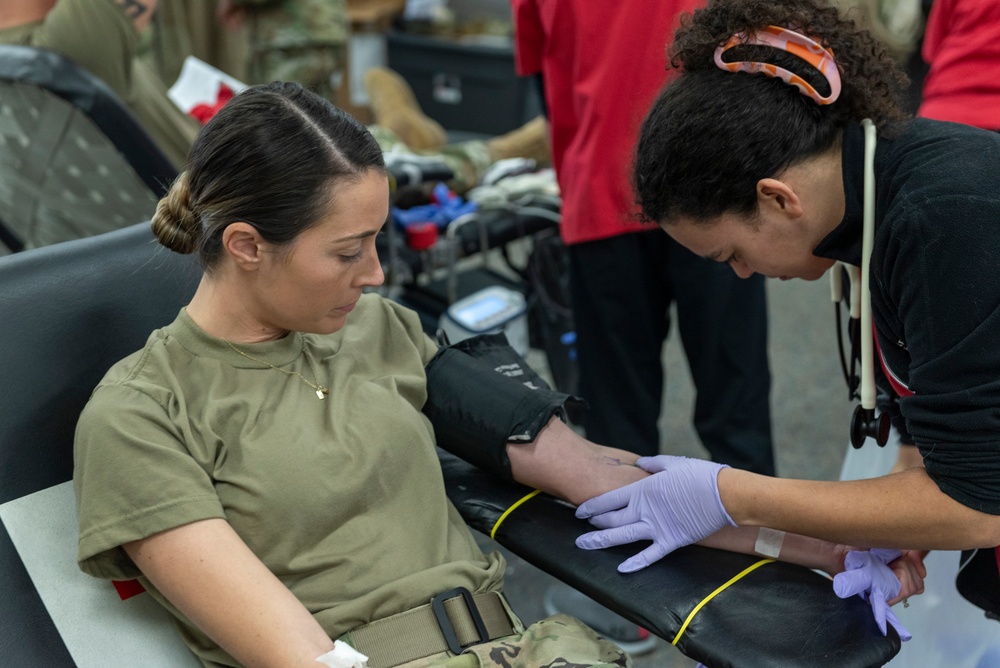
(482, 395)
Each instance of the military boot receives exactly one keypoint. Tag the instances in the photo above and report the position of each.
(531, 140)
(395, 108)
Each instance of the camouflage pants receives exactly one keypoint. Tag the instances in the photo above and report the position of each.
(468, 160)
(318, 68)
(559, 641)
(304, 41)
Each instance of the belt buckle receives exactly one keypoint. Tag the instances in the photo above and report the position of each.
(448, 629)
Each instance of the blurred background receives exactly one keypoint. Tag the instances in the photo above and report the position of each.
(456, 60)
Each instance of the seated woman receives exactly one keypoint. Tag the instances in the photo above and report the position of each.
(262, 465)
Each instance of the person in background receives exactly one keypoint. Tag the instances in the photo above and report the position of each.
(601, 65)
(102, 36)
(624, 278)
(899, 26)
(183, 28)
(962, 49)
(292, 40)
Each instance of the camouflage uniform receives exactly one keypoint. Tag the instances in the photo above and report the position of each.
(188, 27)
(559, 641)
(468, 160)
(297, 40)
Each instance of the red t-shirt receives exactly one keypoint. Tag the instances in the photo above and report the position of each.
(962, 46)
(603, 63)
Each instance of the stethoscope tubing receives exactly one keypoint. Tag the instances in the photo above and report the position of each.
(867, 241)
(864, 422)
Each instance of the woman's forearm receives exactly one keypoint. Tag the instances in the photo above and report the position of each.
(207, 571)
(563, 463)
(904, 510)
(790, 547)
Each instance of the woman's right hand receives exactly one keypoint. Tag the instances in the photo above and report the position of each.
(867, 574)
(910, 571)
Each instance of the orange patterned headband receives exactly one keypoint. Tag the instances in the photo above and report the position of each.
(798, 45)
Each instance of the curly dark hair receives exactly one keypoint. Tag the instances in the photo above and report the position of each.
(712, 135)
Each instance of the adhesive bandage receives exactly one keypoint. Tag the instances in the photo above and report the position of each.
(769, 543)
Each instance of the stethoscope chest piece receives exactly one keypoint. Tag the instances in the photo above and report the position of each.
(865, 424)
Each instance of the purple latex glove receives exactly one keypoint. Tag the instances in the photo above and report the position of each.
(868, 575)
(676, 506)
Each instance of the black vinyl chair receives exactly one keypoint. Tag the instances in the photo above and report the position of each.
(74, 161)
(69, 311)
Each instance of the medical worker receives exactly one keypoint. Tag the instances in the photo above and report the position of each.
(755, 156)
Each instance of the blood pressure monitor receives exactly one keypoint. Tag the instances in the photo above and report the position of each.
(487, 311)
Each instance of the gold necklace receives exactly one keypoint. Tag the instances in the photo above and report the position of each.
(321, 391)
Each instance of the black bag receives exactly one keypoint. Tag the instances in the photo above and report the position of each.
(978, 579)
(550, 315)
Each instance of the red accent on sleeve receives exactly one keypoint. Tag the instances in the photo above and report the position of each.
(901, 390)
(128, 588)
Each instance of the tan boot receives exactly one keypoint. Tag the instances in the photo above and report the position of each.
(395, 107)
(531, 140)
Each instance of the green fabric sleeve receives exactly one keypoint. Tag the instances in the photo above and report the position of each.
(133, 477)
(414, 330)
(96, 35)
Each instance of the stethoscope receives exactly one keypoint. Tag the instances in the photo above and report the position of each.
(864, 422)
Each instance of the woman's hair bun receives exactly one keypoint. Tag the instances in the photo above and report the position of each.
(175, 224)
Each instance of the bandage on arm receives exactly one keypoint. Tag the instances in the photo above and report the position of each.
(790, 547)
(769, 542)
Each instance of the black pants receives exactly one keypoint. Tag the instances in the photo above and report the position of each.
(621, 289)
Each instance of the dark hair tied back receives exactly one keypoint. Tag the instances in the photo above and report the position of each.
(174, 223)
(271, 157)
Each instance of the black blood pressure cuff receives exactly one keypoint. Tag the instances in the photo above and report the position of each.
(482, 395)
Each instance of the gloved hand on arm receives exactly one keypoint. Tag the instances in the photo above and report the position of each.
(677, 506)
(868, 575)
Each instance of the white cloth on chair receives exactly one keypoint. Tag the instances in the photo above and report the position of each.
(99, 629)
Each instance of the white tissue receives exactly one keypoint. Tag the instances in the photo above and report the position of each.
(198, 83)
(343, 656)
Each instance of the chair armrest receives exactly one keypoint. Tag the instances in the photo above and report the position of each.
(777, 615)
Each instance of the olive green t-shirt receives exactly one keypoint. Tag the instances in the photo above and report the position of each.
(342, 498)
(96, 35)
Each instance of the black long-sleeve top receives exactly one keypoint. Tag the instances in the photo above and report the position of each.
(935, 294)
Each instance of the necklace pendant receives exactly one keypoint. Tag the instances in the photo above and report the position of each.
(321, 394)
